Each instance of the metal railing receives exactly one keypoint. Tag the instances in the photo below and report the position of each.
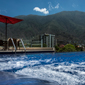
(13, 44)
(23, 44)
(29, 43)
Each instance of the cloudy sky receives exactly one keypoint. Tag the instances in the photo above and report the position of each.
(39, 7)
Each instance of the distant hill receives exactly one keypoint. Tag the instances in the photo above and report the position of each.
(66, 25)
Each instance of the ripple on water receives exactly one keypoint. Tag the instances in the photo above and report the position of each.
(60, 69)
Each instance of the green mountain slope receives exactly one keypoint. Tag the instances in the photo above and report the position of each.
(66, 25)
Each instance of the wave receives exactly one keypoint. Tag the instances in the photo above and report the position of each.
(54, 68)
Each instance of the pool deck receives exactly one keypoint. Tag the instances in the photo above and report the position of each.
(29, 50)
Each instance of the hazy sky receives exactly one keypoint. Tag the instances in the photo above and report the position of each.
(39, 7)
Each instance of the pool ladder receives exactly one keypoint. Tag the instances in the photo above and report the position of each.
(15, 46)
(23, 45)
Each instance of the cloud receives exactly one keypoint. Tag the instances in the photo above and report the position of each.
(53, 7)
(43, 10)
(0, 11)
(3, 11)
(57, 6)
(50, 6)
(74, 5)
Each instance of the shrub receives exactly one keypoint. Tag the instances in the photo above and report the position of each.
(67, 48)
(44, 45)
(56, 48)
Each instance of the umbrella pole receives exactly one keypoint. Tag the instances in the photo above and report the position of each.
(6, 38)
(6, 33)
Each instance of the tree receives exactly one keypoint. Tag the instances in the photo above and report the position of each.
(68, 48)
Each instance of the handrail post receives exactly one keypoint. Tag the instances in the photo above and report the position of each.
(13, 44)
(23, 45)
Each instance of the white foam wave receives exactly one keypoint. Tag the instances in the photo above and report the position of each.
(62, 72)
(48, 72)
(16, 64)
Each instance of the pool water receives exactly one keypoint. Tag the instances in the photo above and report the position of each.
(43, 69)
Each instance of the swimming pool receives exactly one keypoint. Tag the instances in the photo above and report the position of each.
(43, 69)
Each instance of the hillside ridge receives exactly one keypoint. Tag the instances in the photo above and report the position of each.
(66, 25)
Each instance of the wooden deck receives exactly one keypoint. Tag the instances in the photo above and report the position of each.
(28, 50)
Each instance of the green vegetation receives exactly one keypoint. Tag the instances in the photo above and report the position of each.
(44, 45)
(78, 48)
(57, 48)
(66, 26)
(68, 48)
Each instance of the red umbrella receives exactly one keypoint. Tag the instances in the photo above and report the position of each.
(8, 20)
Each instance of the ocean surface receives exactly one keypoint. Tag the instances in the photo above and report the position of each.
(43, 69)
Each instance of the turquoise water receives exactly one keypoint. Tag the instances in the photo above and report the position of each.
(43, 69)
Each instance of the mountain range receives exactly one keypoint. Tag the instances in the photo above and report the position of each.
(66, 26)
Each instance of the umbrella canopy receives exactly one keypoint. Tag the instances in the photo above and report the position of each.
(8, 20)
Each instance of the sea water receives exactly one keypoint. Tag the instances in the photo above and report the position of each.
(43, 69)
